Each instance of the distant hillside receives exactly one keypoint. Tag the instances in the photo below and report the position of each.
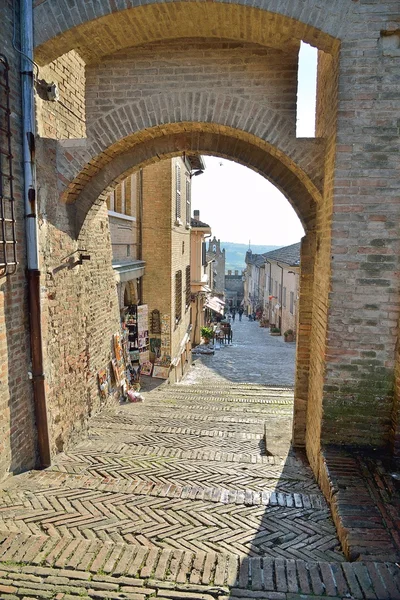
(235, 253)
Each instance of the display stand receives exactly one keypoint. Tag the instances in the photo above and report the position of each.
(132, 344)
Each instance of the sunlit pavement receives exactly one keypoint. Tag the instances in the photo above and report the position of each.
(254, 357)
(194, 494)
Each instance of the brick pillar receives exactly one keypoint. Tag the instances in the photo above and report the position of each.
(307, 252)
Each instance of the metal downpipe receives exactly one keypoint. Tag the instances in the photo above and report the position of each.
(31, 228)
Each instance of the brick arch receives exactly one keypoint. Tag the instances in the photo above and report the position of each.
(104, 29)
(224, 143)
(130, 127)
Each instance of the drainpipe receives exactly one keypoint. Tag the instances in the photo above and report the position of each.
(269, 290)
(140, 234)
(31, 228)
(280, 301)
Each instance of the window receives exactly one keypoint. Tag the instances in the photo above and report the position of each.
(284, 297)
(178, 205)
(188, 201)
(187, 287)
(291, 303)
(280, 293)
(118, 199)
(178, 297)
(111, 201)
(203, 254)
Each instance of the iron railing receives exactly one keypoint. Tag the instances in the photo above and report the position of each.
(8, 241)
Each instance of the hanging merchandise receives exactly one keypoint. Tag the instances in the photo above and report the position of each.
(147, 368)
(117, 347)
(116, 371)
(143, 333)
(155, 347)
(160, 372)
(118, 361)
(131, 333)
(103, 383)
(155, 321)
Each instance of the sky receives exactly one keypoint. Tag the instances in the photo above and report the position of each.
(242, 206)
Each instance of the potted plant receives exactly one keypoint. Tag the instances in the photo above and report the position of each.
(274, 331)
(289, 335)
(206, 333)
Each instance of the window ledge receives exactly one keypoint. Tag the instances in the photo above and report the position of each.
(122, 216)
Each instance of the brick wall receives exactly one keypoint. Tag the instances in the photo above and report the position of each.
(156, 236)
(348, 207)
(166, 245)
(66, 117)
(364, 292)
(80, 308)
(124, 238)
(263, 74)
(17, 422)
(180, 247)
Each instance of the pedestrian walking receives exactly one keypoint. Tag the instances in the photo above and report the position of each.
(241, 311)
(233, 315)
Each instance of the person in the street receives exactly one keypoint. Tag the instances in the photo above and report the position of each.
(233, 314)
(240, 313)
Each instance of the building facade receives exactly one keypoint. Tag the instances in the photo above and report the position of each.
(200, 275)
(281, 287)
(272, 283)
(217, 256)
(124, 204)
(234, 289)
(149, 220)
(166, 252)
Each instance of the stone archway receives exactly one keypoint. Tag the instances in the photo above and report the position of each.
(345, 242)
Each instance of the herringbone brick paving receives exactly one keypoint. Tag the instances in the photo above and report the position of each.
(180, 504)
(180, 498)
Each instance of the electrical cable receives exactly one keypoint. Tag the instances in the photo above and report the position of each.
(15, 46)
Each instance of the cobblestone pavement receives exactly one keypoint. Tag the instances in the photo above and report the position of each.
(195, 494)
(254, 357)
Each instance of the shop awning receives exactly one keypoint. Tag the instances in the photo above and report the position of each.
(216, 304)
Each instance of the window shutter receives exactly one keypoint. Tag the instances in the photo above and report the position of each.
(188, 286)
(188, 201)
(178, 192)
(203, 254)
(178, 296)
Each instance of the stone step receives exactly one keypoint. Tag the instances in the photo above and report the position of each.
(15, 497)
(43, 565)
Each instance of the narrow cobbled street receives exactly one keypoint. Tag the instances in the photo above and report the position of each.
(193, 494)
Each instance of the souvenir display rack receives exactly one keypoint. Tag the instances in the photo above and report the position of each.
(132, 343)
